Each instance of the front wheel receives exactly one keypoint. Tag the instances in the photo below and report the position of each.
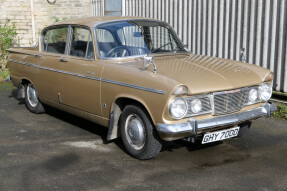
(31, 99)
(138, 134)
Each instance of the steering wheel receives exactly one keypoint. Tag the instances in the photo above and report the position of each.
(119, 51)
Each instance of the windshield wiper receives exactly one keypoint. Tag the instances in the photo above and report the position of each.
(181, 48)
(160, 47)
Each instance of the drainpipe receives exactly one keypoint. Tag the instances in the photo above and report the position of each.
(33, 21)
(123, 7)
(103, 7)
(93, 7)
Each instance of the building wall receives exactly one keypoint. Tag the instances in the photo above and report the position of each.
(223, 28)
(44, 14)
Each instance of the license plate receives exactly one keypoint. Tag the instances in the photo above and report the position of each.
(220, 135)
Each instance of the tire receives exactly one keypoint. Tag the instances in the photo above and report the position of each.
(138, 134)
(32, 101)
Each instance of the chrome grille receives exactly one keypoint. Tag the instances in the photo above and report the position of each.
(229, 101)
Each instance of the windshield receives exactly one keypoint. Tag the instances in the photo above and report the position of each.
(134, 38)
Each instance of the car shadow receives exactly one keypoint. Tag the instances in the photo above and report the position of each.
(14, 92)
(84, 124)
(103, 131)
(78, 122)
(69, 118)
(178, 144)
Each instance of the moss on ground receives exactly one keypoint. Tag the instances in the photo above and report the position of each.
(6, 85)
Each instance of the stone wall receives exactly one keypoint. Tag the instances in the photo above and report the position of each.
(44, 14)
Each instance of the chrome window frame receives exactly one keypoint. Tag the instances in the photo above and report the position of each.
(68, 40)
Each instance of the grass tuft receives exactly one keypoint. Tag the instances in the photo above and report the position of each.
(281, 112)
(4, 73)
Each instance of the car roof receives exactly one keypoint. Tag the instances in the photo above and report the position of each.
(92, 21)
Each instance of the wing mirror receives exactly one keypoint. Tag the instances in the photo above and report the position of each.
(148, 60)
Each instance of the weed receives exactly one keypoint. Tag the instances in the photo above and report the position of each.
(4, 73)
(7, 38)
(281, 112)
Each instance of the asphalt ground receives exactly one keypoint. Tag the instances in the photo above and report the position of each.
(58, 151)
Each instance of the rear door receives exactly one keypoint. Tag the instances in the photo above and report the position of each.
(53, 48)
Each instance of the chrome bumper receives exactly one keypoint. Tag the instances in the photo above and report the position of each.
(194, 127)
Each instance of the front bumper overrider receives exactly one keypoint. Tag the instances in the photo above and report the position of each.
(193, 127)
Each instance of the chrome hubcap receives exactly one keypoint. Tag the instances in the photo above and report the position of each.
(32, 95)
(135, 131)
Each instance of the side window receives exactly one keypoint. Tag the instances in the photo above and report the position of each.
(55, 40)
(81, 43)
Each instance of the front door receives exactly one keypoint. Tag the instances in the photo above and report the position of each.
(79, 83)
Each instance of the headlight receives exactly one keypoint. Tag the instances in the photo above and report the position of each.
(265, 92)
(178, 108)
(253, 95)
(196, 105)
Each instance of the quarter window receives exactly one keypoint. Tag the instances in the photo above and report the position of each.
(55, 40)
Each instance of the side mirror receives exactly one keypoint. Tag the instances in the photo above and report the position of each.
(148, 60)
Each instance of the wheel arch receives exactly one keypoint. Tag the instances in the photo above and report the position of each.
(25, 81)
(116, 110)
(21, 87)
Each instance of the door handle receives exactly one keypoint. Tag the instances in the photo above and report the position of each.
(37, 55)
(90, 72)
(63, 60)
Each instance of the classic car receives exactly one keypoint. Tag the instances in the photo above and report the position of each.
(136, 77)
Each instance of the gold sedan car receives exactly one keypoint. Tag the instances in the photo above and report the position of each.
(135, 77)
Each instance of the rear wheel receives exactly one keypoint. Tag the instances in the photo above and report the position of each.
(31, 99)
(138, 134)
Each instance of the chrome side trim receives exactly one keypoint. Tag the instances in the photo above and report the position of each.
(194, 127)
(133, 86)
(54, 70)
(91, 78)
